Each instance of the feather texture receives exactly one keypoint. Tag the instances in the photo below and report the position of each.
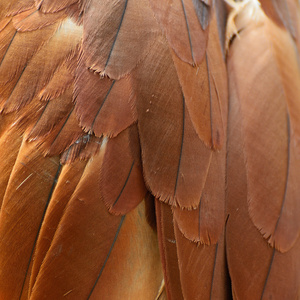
(179, 16)
(271, 131)
(108, 110)
(121, 182)
(113, 44)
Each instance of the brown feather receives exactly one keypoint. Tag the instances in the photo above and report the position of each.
(61, 80)
(270, 128)
(33, 19)
(12, 66)
(257, 271)
(52, 6)
(278, 11)
(102, 105)
(202, 269)
(38, 70)
(117, 35)
(175, 161)
(10, 143)
(120, 180)
(10, 8)
(67, 182)
(168, 250)
(84, 148)
(205, 223)
(181, 26)
(26, 198)
(78, 244)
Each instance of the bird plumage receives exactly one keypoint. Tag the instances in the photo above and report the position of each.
(148, 154)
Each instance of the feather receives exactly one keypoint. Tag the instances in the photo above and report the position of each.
(10, 143)
(60, 81)
(175, 161)
(33, 19)
(121, 182)
(78, 244)
(67, 182)
(26, 198)
(117, 35)
(10, 8)
(204, 89)
(48, 115)
(202, 269)
(12, 66)
(168, 250)
(205, 223)
(102, 105)
(270, 129)
(84, 148)
(257, 270)
(52, 6)
(38, 70)
(181, 26)
(278, 11)
(203, 12)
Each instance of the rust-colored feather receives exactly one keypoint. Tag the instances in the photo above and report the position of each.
(108, 109)
(38, 70)
(52, 6)
(179, 22)
(120, 180)
(168, 250)
(68, 180)
(174, 158)
(78, 244)
(266, 272)
(202, 269)
(205, 223)
(117, 35)
(33, 19)
(270, 128)
(26, 198)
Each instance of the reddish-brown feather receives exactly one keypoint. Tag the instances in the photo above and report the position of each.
(22, 211)
(205, 223)
(38, 70)
(117, 35)
(95, 242)
(52, 6)
(10, 142)
(102, 105)
(175, 160)
(61, 80)
(33, 19)
(202, 269)
(257, 270)
(168, 250)
(270, 111)
(179, 22)
(120, 178)
(68, 180)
